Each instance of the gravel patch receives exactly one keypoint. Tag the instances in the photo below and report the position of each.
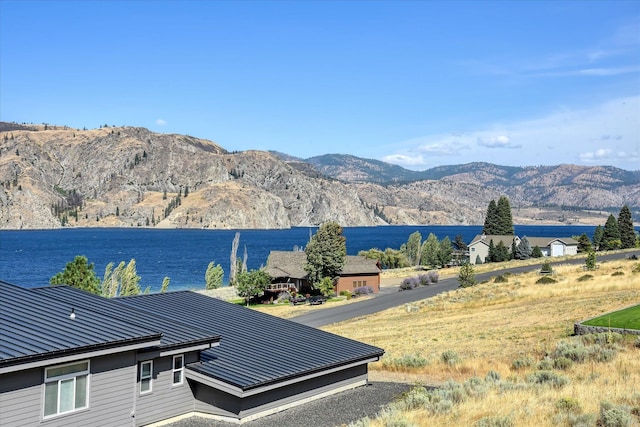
(332, 411)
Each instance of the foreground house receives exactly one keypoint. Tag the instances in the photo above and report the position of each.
(70, 358)
(286, 269)
(549, 246)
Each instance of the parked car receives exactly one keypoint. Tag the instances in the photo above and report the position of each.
(317, 300)
(298, 300)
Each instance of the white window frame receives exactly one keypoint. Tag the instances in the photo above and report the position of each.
(146, 377)
(179, 371)
(66, 378)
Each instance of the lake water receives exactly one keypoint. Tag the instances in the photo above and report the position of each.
(30, 258)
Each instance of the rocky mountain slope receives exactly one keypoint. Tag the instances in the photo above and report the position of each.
(54, 176)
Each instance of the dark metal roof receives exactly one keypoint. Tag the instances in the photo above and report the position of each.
(174, 333)
(257, 349)
(34, 326)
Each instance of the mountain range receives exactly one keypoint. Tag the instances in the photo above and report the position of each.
(55, 176)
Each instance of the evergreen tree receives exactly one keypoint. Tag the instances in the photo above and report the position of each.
(214, 275)
(326, 286)
(466, 277)
(584, 244)
(478, 260)
(611, 236)
(430, 249)
(505, 220)
(625, 225)
(491, 220)
(79, 274)
(326, 253)
(492, 256)
(590, 262)
(523, 250)
(536, 252)
(501, 252)
(598, 237)
(460, 248)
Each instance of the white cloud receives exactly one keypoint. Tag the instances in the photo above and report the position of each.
(161, 122)
(607, 134)
(404, 160)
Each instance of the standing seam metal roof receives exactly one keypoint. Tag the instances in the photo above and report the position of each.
(34, 326)
(257, 349)
(174, 333)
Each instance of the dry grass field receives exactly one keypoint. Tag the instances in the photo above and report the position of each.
(503, 353)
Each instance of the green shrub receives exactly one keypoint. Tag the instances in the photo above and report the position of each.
(546, 268)
(545, 364)
(569, 404)
(548, 377)
(522, 362)
(614, 416)
(574, 351)
(585, 278)
(406, 361)
(546, 280)
(495, 421)
(494, 377)
(618, 273)
(562, 363)
(450, 357)
(636, 268)
(501, 278)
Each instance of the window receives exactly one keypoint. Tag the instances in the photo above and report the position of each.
(146, 373)
(178, 369)
(66, 388)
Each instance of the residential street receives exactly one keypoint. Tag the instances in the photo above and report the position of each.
(391, 296)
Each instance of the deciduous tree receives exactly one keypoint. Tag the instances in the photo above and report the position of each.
(214, 276)
(430, 250)
(250, 284)
(326, 253)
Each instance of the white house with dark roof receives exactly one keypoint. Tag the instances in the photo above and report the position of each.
(549, 246)
(70, 358)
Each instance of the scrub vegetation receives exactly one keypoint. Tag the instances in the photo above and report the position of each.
(502, 353)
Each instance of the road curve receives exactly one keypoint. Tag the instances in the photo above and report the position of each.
(391, 296)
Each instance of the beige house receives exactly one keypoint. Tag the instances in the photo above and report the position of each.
(550, 246)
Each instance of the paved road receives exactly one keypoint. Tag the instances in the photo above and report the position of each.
(391, 296)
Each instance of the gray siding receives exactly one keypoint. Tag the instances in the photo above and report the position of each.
(110, 396)
(216, 402)
(165, 400)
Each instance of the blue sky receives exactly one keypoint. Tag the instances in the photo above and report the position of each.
(416, 83)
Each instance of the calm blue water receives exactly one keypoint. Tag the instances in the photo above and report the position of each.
(31, 258)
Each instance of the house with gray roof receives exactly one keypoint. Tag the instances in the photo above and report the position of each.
(286, 268)
(549, 246)
(70, 358)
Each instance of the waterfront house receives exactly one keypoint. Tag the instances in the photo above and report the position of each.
(286, 269)
(70, 358)
(549, 246)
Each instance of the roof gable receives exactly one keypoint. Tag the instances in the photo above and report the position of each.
(257, 349)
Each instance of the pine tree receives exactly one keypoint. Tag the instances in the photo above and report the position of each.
(79, 274)
(492, 256)
(598, 236)
(611, 236)
(505, 220)
(625, 226)
(584, 244)
(466, 277)
(491, 219)
(523, 250)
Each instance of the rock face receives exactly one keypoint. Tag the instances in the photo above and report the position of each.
(130, 177)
